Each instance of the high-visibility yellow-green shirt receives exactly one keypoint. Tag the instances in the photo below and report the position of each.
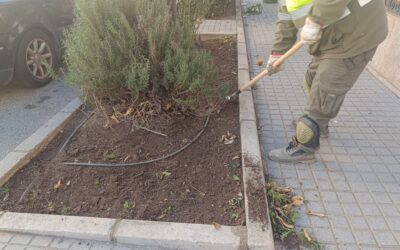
(351, 27)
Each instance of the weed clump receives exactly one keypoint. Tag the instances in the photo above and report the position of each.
(282, 204)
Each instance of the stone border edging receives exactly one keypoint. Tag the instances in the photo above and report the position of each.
(164, 235)
(34, 144)
(259, 232)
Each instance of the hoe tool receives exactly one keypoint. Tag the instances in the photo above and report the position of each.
(281, 60)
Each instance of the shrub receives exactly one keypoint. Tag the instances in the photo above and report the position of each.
(223, 4)
(136, 45)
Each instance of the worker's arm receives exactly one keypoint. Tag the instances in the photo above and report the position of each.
(326, 12)
(286, 33)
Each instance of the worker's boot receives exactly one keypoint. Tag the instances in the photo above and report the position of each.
(302, 147)
(324, 132)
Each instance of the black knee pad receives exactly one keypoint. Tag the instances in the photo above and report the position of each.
(307, 134)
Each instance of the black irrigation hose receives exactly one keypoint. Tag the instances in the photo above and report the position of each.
(74, 132)
(106, 165)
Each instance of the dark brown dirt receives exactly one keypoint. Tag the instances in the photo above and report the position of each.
(195, 186)
(258, 210)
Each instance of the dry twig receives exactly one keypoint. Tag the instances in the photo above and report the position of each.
(149, 130)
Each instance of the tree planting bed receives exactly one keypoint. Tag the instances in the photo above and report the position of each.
(202, 184)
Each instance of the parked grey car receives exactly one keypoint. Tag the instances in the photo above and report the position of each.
(30, 39)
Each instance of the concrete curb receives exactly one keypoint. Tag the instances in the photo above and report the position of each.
(154, 235)
(179, 235)
(259, 230)
(33, 145)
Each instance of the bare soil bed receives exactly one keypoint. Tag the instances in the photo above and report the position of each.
(200, 185)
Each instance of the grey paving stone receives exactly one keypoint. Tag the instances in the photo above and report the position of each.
(41, 241)
(381, 198)
(341, 186)
(21, 239)
(394, 223)
(392, 187)
(308, 184)
(325, 185)
(395, 198)
(328, 158)
(331, 247)
(348, 247)
(80, 245)
(352, 209)
(343, 236)
(346, 197)
(122, 248)
(377, 223)
(14, 247)
(339, 222)
(365, 237)
(335, 176)
(293, 183)
(303, 221)
(324, 235)
(370, 210)
(358, 186)
(33, 248)
(364, 197)
(386, 178)
(333, 208)
(289, 174)
(319, 222)
(102, 246)
(328, 196)
(389, 210)
(358, 222)
(5, 237)
(62, 243)
(312, 196)
(385, 238)
(315, 207)
(375, 187)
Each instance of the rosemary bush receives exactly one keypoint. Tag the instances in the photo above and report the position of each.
(137, 45)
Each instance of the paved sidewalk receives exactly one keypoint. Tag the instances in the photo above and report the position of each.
(10, 241)
(356, 180)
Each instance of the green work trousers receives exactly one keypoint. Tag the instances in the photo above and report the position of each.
(328, 81)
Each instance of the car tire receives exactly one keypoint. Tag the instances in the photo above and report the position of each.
(35, 60)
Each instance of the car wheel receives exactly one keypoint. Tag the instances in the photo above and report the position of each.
(35, 60)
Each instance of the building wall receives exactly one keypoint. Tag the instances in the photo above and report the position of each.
(386, 62)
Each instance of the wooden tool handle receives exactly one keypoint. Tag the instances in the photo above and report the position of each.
(277, 63)
(288, 54)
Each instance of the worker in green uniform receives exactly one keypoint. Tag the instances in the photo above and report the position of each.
(342, 36)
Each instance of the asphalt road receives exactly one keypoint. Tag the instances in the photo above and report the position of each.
(23, 111)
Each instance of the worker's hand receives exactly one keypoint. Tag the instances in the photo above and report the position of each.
(311, 32)
(270, 65)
